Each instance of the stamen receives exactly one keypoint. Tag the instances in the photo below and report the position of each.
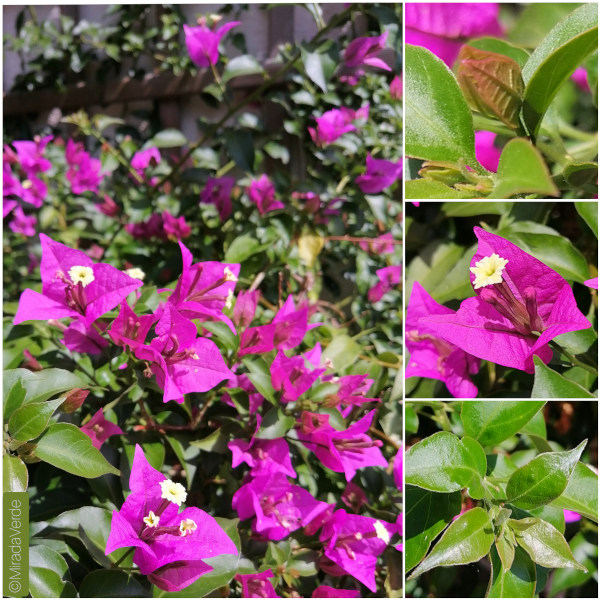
(488, 270)
(173, 492)
(152, 520)
(136, 273)
(83, 275)
(382, 532)
(187, 527)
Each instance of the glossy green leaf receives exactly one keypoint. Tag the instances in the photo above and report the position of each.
(29, 421)
(442, 463)
(490, 44)
(581, 493)
(476, 456)
(242, 248)
(536, 21)
(241, 65)
(522, 170)
(543, 479)
(518, 582)
(584, 546)
(555, 59)
(223, 333)
(14, 397)
(427, 515)
(342, 351)
(438, 121)
(239, 145)
(111, 583)
(411, 419)
(550, 384)
(505, 548)
(275, 424)
(470, 209)
(551, 514)
(536, 426)
(491, 422)
(260, 375)
(319, 67)
(41, 385)
(167, 138)
(545, 545)
(465, 541)
(66, 447)
(15, 476)
(428, 189)
(588, 211)
(49, 574)
(581, 174)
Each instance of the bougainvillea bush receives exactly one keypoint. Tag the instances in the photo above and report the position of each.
(501, 499)
(202, 341)
(501, 100)
(502, 300)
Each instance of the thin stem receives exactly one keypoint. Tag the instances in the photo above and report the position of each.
(220, 84)
(569, 131)
(384, 437)
(485, 124)
(574, 360)
(360, 240)
(130, 551)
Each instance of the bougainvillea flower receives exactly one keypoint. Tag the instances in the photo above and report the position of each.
(262, 456)
(353, 543)
(143, 159)
(341, 451)
(262, 192)
(396, 88)
(129, 329)
(521, 305)
(204, 289)
(245, 308)
(430, 355)
(488, 155)
(330, 126)
(84, 171)
(203, 43)
(379, 175)
(592, 283)
(571, 516)
(379, 245)
(353, 497)
(257, 585)
(175, 228)
(23, 224)
(351, 392)
(325, 591)
(580, 77)
(31, 190)
(443, 28)
(280, 507)
(389, 278)
(73, 286)
(85, 340)
(170, 545)
(291, 325)
(364, 51)
(99, 429)
(182, 362)
(257, 340)
(292, 377)
(29, 155)
(152, 227)
(218, 192)
(108, 207)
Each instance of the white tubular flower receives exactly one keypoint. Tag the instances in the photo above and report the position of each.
(136, 273)
(152, 520)
(83, 275)
(382, 532)
(229, 275)
(488, 270)
(173, 492)
(187, 527)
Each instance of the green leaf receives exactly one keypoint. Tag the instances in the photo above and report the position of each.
(13, 398)
(476, 456)
(241, 65)
(585, 551)
(550, 384)
(411, 419)
(438, 121)
(239, 144)
(167, 138)
(242, 248)
(342, 351)
(505, 548)
(490, 44)
(470, 209)
(518, 582)
(588, 211)
(536, 21)
(29, 421)
(223, 333)
(544, 543)
(427, 515)
(319, 67)
(41, 385)
(216, 441)
(275, 424)
(47, 572)
(492, 422)
(111, 583)
(555, 251)
(428, 189)
(580, 174)
(555, 59)
(522, 170)
(260, 376)
(543, 479)
(466, 540)
(66, 447)
(581, 493)
(442, 463)
(14, 474)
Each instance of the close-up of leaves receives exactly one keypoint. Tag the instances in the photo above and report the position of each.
(501, 100)
(501, 300)
(501, 499)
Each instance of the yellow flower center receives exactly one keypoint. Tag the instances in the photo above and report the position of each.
(187, 527)
(488, 270)
(83, 275)
(136, 273)
(26, 184)
(152, 520)
(173, 492)
(382, 532)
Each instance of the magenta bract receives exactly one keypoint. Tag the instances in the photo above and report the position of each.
(379, 175)
(257, 585)
(520, 306)
(203, 43)
(99, 429)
